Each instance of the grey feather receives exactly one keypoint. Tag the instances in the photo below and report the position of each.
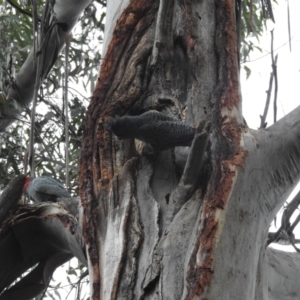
(157, 129)
(42, 189)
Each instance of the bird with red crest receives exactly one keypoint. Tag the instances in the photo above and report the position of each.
(44, 189)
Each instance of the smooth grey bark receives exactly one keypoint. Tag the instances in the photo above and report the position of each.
(260, 188)
(113, 10)
(21, 91)
(283, 275)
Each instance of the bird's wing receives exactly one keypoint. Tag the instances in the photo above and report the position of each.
(166, 134)
(49, 186)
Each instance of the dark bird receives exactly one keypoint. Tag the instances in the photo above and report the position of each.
(155, 128)
(44, 189)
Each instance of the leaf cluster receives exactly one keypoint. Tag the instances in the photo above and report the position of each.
(253, 23)
(84, 59)
(49, 142)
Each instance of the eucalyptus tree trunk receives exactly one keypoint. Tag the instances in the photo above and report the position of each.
(150, 233)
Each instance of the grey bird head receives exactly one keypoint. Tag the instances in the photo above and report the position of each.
(123, 128)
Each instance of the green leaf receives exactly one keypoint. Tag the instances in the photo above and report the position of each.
(248, 71)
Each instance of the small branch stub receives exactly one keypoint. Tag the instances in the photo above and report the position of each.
(191, 173)
(11, 195)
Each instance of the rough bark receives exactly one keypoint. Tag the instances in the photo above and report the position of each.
(180, 58)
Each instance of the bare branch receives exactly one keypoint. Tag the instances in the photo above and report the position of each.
(273, 156)
(274, 67)
(286, 230)
(270, 10)
(289, 24)
(67, 37)
(101, 2)
(263, 123)
(11, 195)
(37, 65)
(21, 10)
(59, 112)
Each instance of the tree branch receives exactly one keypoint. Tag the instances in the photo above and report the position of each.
(22, 91)
(286, 226)
(21, 10)
(274, 154)
(274, 67)
(11, 195)
(282, 268)
(263, 123)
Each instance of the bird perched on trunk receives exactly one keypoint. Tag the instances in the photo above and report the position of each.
(155, 128)
(44, 189)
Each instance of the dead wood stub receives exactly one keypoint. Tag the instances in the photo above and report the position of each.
(11, 195)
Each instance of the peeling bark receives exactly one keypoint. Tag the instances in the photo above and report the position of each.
(156, 229)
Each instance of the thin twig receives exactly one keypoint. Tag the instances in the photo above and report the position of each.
(251, 16)
(279, 47)
(37, 62)
(101, 2)
(295, 223)
(263, 123)
(270, 10)
(59, 112)
(287, 237)
(285, 219)
(289, 24)
(21, 10)
(274, 67)
(67, 39)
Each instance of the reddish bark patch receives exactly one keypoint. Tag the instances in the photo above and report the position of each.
(190, 40)
(96, 170)
(131, 16)
(239, 158)
(230, 97)
(225, 186)
(201, 277)
(233, 131)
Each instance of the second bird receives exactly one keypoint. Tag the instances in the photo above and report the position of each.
(44, 189)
